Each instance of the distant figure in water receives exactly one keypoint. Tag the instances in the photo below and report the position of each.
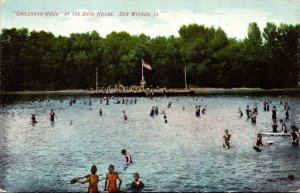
(248, 111)
(156, 111)
(125, 116)
(204, 110)
(274, 126)
(136, 185)
(52, 115)
(258, 143)
(283, 126)
(226, 139)
(294, 135)
(111, 180)
(183, 108)
(128, 158)
(274, 113)
(169, 105)
(197, 111)
(71, 122)
(152, 112)
(240, 112)
(33, 120)
(92, 179)
(100, 112)
(253, 118)
(286, 111)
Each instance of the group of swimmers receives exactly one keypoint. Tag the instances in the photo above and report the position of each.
(111, 178)
(198, 110)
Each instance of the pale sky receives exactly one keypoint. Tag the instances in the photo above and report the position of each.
(233, 16)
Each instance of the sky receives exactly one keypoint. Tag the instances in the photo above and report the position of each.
(166, 16)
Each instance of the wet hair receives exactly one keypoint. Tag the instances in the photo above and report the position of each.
(281, 121)
(93, 169)
(226, 130)
(123, 151)
(259, 135)
(293, 127)
(111, 166)
(136, 174)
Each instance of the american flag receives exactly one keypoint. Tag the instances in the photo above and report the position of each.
(148, 66)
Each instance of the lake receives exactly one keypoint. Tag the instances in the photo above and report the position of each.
(185, 154)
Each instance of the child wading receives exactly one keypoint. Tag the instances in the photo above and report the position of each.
(226, 139)
(111, 179)
(92, 179)
(137, 185)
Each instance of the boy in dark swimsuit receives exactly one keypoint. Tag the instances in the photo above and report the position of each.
(137, 185)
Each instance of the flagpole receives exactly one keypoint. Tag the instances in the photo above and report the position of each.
(185, 78)
(142, 71)
(96, 78)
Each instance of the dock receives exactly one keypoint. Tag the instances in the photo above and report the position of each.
(142, 93)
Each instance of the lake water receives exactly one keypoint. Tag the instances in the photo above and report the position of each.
(185, 154)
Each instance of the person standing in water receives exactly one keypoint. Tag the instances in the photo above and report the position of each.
(248, 111)
(33, 120)
(92, 179)
(125, 117)
(128, 158)
(240, 112)
(274, 126)
(258, 143)
(253, 118)
(283, 126)
(226, 139)
(111, 180)
(294, 135)
(286, 111)
(274, 113)
(137, 185)
(100, 112)
(52, 115)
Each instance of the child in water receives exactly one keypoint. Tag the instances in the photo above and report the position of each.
(33, 120)
(137, 185)
(127, 156)
(111, 180)
(226, 139)
(258, 143)
(92, 179)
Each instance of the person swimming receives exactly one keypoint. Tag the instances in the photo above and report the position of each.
(152, 112)
(248, 111)
(100, 112)
(274, 113)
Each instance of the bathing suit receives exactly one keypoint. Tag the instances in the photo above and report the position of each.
(112, 182)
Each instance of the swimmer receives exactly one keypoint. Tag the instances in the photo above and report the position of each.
(286, 111)
(156, 111)
(274, 113)
(258, 143)
(33, 120)
(294, 135)
(100, 112)
(253, 118)
(152, 112)
(111, 180)
(226, 139)
(137, 185)
(204, 110)
(240, 111)
(127, 156)
(274, 126)
(283, 126)
(248, 111)
(52, 115)
(125, 116)
(92, 179)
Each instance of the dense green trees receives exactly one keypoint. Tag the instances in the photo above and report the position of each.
(267, 58)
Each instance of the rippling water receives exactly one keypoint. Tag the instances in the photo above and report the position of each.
(186, 154)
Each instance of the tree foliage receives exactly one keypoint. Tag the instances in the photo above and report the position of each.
(38, 60)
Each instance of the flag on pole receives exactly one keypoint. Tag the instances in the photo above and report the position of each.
(148, 66)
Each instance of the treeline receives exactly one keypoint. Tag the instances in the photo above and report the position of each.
(41, 61)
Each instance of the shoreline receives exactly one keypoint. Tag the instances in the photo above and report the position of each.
(198, 91)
